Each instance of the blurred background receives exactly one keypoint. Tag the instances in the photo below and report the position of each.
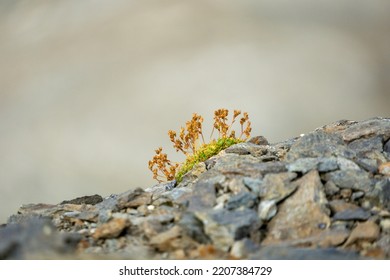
(88, 89)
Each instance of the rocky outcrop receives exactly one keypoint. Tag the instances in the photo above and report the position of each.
(324, 195)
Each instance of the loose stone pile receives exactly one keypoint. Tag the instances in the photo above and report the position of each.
(324, 195)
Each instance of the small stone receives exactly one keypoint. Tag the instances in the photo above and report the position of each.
(236, 185)
(151, 207)
(328, 164)
(350, 179)
(162, 241)
(370, 165)
(134, 199)
(367, 231)
(242, 248)
(303, 165)
(258, 140)
(346, 193)
(277, 186)
(357, 195)
(337, 206)
(253, 184)
(385, 225)
(193, 227)
(243, 199)
(111, 229)
(384, 169)
(267, 210)
(346, 164)
(352, 214)
(330, 188)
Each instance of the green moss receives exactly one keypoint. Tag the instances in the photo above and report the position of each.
(205, 152)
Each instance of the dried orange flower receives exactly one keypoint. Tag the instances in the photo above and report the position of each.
(188, 142)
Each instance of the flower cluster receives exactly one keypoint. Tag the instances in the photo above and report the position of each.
(190, 141)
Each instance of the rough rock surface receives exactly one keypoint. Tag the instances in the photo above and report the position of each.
(324, 195)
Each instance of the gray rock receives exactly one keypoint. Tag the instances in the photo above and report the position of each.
(242, 199)
(370, 165)
(243, 248)
(253, 184)
(380, 194)
(352, 214)
(304, 165)
(35, 238)
(331, 188)
(364, 129)
(318, 144)
(365, 145)
(350, 179)
(204, 192)
(193, 227)
(224, 227)
(386, 147)
(89, 199)
(277, 186)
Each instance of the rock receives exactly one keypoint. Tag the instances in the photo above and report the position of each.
(350, 179)
(318, 144)
(111, 229)
(243, 199)
(302, 215)
(384, 169)
(243, 248)
(258, 140)
(254, 200)
(204, 193)
(385, 225)
(35, 238)
(223, 227)
(357, 195)
(367, 231)
(277, 186)
(337, 206)
(352, 214)
(365, 129)
(304, 165)
(386, 146)
(267, 210)
(253, 184)
(362, 146)
(193, 227)
(346, 193)
(370, 165)
(380, 194)
(162, 241)
(90, 199)
(330, 188)
(134, 199)
(235, 185)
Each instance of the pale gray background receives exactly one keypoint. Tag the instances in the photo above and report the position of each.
(88, 89)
